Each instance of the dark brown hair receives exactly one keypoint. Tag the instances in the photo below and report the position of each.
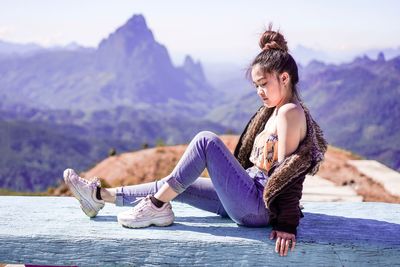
(275, 57)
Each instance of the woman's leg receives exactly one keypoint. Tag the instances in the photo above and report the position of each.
(201, 194)
(240, 196)
(109, 195)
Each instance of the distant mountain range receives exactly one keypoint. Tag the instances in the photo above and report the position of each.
(129, 68)
(12, 49)
(305, 55)
(358, 105)
(9, 49)
(68, 107)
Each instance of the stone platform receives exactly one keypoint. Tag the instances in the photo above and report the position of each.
(54, 231)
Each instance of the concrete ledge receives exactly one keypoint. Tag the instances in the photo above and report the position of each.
(54, 231)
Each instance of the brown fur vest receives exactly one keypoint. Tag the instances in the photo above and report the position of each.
(305, 160)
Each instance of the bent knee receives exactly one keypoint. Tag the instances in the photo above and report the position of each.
(207, 135)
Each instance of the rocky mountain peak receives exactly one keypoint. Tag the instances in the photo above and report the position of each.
(133, 32)
(136, 29)
(364, 60)
(129, 41)
(381, 57)
(194, 69)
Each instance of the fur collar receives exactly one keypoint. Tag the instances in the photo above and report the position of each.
(305, 160)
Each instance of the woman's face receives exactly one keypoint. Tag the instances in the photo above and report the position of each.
(268, 88)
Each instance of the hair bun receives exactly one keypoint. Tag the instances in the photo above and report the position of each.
(273, 40)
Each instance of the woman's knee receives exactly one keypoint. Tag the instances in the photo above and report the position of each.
(208, 135)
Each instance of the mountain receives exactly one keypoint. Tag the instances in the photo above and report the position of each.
(357, 105)
(129, 68)
(389, 53)
(304, 55)
(9, 48)
(124, 94)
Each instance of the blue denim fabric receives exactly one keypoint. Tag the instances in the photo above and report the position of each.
(231, 191)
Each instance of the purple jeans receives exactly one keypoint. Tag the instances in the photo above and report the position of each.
(231, 191)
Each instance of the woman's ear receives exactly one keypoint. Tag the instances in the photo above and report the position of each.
(285, 78)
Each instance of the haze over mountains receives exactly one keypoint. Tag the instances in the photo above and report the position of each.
(67, 108)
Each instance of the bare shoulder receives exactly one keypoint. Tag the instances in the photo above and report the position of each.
(291, 112)
(290, 127)
(294, 117)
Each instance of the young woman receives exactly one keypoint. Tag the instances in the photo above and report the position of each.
(260, 185)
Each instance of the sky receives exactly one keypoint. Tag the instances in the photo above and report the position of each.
(209, 30)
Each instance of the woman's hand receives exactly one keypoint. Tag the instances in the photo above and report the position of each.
(283, 241)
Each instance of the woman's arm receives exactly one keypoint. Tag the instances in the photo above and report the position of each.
(286, 216)
(286, 208)
(289, 126)
(286, 204)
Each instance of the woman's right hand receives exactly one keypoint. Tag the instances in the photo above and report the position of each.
(283, 241)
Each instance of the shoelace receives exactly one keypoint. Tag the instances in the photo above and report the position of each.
(139, 207)
(93, 183)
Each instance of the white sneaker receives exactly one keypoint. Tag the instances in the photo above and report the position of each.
(145, 213)
(84, 191)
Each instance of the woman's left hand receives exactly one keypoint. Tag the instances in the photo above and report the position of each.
(283, 241)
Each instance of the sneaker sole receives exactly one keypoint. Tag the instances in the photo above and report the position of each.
(157, 222)
(80, 198)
